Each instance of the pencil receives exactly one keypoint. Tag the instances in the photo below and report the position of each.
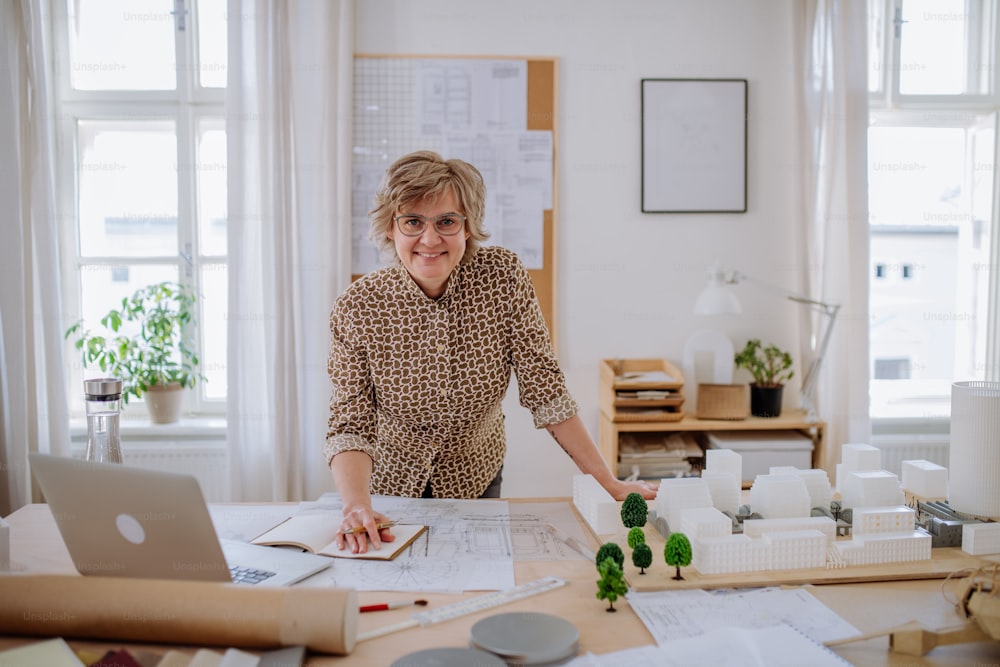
(385, 606)
(361, 529)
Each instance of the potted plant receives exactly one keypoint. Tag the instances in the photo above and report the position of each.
(155, 361)
(770, 367)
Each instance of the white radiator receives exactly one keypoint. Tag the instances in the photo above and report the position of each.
(205, 460)
(897, 448)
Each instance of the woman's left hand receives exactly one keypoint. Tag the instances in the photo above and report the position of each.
(645, 489)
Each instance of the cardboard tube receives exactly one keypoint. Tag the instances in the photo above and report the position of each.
(195, 613)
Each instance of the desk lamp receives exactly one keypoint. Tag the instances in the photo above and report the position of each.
(718, 299)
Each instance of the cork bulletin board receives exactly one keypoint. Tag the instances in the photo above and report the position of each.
(480, 109)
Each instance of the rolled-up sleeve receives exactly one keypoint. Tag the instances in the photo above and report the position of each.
(540, 381)
(351, 425)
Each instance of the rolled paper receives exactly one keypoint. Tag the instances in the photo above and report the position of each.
(974, 451)
(196, 613)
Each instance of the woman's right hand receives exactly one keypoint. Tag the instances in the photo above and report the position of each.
(365, 521)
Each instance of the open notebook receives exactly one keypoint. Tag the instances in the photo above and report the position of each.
(316, 532)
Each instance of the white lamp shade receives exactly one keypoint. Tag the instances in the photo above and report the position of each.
(717, 299)
(974, 452)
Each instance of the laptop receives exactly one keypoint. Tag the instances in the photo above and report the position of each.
(122, 521)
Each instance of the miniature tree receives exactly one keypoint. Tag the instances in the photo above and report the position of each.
(677, 552)
(612, 582)
(642, 557)
(634, 510)
(635, 537)
(610, 550)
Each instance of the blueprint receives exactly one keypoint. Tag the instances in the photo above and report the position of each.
(673, 615)
(469, 545)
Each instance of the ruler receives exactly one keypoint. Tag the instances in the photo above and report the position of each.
(571, 542)
(466, 607)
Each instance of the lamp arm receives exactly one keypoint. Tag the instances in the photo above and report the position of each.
(737, 277)
(829, 310)
(809, 381)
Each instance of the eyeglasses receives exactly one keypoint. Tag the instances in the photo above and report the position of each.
(446, 224)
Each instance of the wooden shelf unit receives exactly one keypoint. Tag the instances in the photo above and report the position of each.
(612, 426)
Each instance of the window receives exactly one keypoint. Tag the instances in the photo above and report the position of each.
(142, 163)
(931, 154)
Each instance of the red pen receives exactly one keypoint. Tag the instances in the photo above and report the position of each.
(385, 606)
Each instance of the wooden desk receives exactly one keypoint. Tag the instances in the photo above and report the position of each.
(36, 547)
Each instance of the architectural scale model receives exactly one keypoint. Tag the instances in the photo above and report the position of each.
(792, 522)
(595, 505)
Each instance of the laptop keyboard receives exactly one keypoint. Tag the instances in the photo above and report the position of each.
(249, 575)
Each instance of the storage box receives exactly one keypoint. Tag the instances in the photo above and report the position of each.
(761, 450)
(723, 401)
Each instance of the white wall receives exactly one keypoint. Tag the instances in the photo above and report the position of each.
(627, 281)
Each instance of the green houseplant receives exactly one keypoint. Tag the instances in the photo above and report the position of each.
(155, 360)
(771, 368)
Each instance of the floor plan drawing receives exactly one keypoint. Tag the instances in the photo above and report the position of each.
(469, 544)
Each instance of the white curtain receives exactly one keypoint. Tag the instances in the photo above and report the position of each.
(34, 415)
(289, 132)
(832, 51)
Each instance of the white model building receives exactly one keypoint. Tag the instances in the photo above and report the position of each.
(871, 488)
(701, 522)
(725, 490)
(759, 527)
(724, 475)
(925, 479)
(981, 538)
(681, 493)
(855, 457)
(817, 484)
(882, 535)
(725, 461)
(788, 537)
(879, 549)
(597, 507)
(775, 544)
(780, 496)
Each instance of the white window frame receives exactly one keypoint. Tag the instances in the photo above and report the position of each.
(186, 106)
(888, 106)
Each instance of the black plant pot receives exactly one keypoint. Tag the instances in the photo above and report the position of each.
(765, 401)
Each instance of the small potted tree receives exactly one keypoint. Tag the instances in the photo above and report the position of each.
(634, 510)
(635, 536)
(770, 367)
(642, 557)
(155, 361)
(612, 584)
(677, 552)
(610, 550)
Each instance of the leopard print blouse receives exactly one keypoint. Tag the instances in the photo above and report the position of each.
(418, 382)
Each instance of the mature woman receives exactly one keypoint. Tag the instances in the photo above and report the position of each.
(422, 353)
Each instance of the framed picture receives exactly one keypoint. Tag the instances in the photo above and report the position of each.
(694, 145)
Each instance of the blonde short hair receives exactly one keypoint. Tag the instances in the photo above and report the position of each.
(426, 174)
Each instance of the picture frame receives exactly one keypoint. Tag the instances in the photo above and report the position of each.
(694, 145)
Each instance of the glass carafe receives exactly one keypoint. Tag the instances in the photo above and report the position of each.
(103, 396)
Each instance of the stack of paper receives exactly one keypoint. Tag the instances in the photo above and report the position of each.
(657, 455)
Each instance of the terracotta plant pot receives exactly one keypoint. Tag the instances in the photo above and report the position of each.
(164, 402)
(765, 401)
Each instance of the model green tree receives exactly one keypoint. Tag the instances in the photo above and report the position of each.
(642, 557)
(634, 510)
(610, 550)
(677, 552)
(611, 585)
(635, 537)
